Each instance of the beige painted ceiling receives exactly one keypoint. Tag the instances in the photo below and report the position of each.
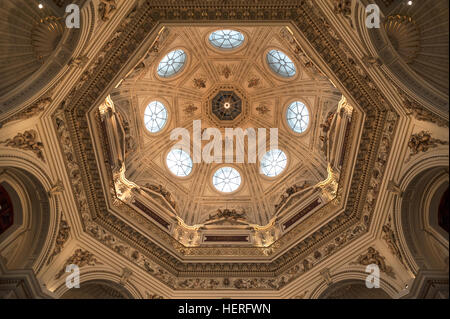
(195, 195)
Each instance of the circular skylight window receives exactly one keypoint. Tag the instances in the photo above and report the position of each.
(226, 179)
(273, 163)
(226, 39)
(297, 116)
(280, 63)
(171, 63)
(155, 116)
(179, 162)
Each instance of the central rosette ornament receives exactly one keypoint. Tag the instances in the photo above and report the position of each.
(226, 105)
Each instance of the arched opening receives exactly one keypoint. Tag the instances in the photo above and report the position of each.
(423, 218)
(24, 218)
(6, 210)
(353, 289)
(98, 289)
(443, 211)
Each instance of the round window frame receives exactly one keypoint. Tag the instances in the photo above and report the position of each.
(164, 160)
(216, 168)
(165, 103)
(180, 71)
(285, 121)
(277, 75)
(283, 172)
(233, 50)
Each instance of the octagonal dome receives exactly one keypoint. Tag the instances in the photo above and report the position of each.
(226, 91)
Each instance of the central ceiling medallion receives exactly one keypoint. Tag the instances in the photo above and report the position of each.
(226, 105)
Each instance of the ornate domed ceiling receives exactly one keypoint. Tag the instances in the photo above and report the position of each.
(226, 88)
(29, 36)
(35, 45)
(111, 194)
(419, 33)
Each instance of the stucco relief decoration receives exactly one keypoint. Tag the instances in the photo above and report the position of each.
(289, 192)
(225, 71)
(125, 276)
(230, 214)
(325, 127)
(190, 110)
(422, 142)
(162, 191)
(26, 141)
(199, 83)
(81, 258)
(371, 61)
(151, 54)
(79, 61)
(56, 188)
(106, 9)
(391, 240)
(61, 239)
(253, 82)
(262, 109)
(344, 7)
(372, 256)
(156, 233)
(153, 296)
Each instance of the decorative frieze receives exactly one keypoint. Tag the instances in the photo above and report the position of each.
(299, 54)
